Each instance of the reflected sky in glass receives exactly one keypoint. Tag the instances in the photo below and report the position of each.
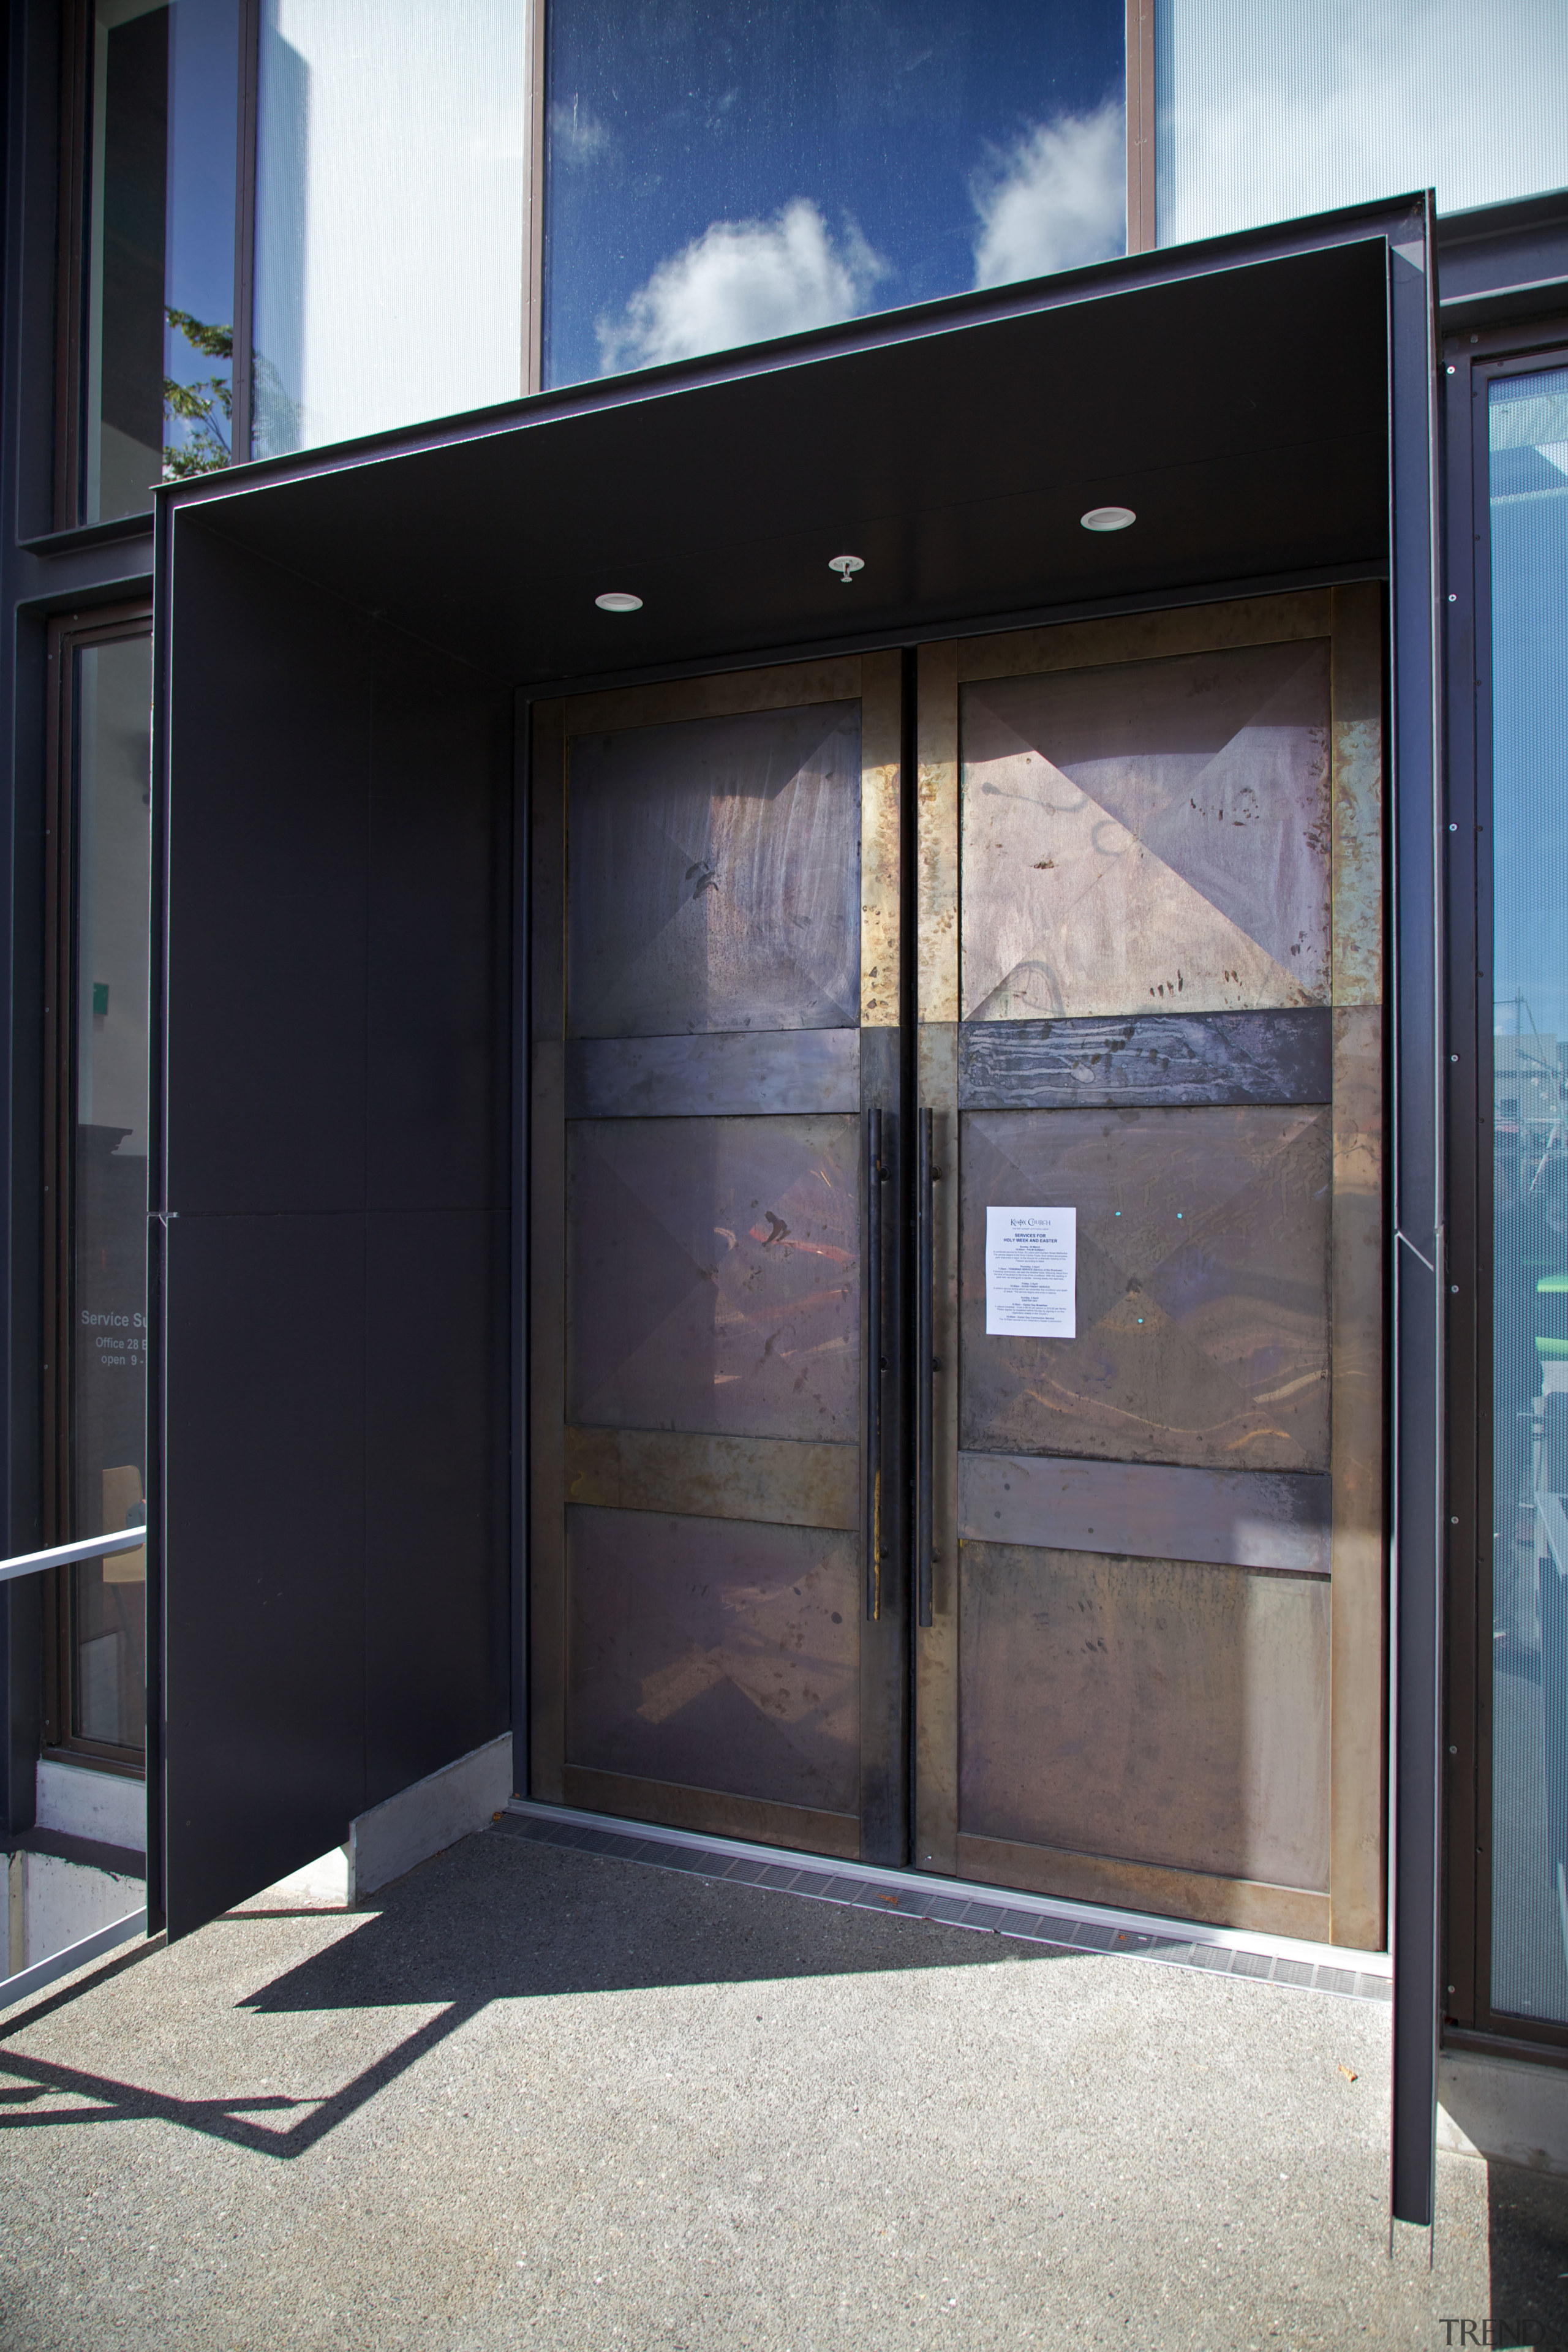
(723, 171)
(1528, 436)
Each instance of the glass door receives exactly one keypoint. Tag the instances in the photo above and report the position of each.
(1149, 1379)
(717, 1630)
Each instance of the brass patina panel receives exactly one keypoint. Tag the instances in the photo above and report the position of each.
(1155, 1711)
(1203, 1333)
(715, 1652)
(1146, 1886)
(717, 1813)
(779, 1479)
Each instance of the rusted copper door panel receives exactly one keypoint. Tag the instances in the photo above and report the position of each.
(714, 878)
(1169, 1714)
(1203, 1291)
(716, 1653)
(713, 1275)
(1149, 981)
(715, 981)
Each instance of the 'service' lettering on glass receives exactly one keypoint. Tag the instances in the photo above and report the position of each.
(1031, 1272)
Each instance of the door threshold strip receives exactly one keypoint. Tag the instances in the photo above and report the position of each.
(960, 1903)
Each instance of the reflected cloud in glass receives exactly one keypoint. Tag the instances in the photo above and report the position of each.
(722, 174)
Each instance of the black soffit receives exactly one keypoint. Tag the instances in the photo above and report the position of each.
(1241, 412)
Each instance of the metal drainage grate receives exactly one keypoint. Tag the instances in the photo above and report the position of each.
(906, 1895)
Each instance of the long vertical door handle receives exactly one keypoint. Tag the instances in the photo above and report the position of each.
(875, 1173)
(925, 1362)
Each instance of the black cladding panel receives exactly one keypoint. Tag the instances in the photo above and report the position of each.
(268, 879)
(332, 1491)
(263, 1551)
(437, 1345)
(438, 978)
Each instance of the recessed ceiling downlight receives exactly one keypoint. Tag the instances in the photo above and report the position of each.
(1108, 518)
(618, 600)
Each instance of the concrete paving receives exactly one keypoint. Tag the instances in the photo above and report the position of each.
(540, 2099)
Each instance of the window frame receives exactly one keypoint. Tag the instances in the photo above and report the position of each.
(69, 635)
(73, 263)
(1472, 359)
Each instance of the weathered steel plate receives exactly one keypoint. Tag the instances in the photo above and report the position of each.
(1148, 835)
(716, 1653)
(737, 1071)
(1283, 1056)
(713, 1478)
(713, 875)
(713, 1275)
(1202, 1286)
(1248, 1518)
(1152, 1710)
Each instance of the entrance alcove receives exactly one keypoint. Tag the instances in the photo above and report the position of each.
(349, 648)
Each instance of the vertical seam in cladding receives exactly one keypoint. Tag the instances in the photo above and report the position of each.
(371, 714)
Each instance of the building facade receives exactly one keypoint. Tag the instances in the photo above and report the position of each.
(786, 820)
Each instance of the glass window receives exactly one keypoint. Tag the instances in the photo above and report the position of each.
(722, 171)
(1267, 112)
(161, 190)
(392, 157)
(1528, 421)
(103, 1310)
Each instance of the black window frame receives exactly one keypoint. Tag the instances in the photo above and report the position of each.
(1472, 359)
(69, 636)
(73, 263)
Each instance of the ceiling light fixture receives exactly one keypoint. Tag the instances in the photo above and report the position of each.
(1108, 518)
(846, 566)
(618, 600)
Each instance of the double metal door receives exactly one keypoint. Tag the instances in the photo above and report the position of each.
(956, 1260)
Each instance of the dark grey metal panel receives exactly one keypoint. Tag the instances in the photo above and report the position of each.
(269, 814)
(436, 1604)
(1243, 1518)
(438, 924)
(744, 1070)
(1418, 1216)
(1166, 1057)
(332, 1407)
(263, 1551)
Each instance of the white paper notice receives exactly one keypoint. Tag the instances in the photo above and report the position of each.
(1031, 1272)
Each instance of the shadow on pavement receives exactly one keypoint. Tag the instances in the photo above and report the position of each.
(1528, 2234)
(500, 1917)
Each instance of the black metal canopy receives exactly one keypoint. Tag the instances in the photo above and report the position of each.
(1238, 407)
